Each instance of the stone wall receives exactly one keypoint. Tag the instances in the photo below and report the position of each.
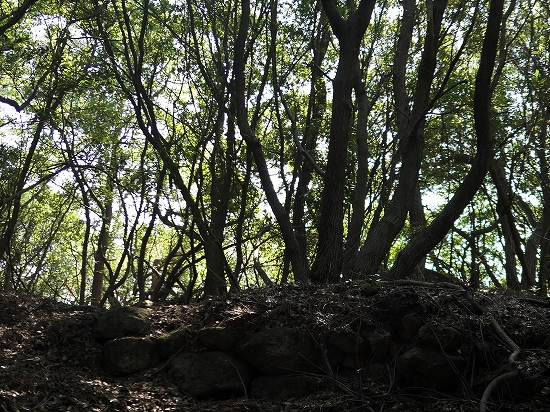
(284, 362)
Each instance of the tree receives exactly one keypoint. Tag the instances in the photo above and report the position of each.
(432, 235)
(198, 154)
(349, 32)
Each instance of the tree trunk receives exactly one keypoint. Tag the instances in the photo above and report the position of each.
(427, 239)
(511, 270)
(299, 262)
(316, 107)
(411, 135)
(542, 154)
(361, 187)
(475, 276)
(329, 255)
(6, 239)
(221, 172)
(512, 238)
(418, 222)
(100, 255)
(531, 248)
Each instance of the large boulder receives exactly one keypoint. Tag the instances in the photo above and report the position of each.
(127, 355)
(170, 343)
(210, 374)
(281, 351)
(430, 368)
(122, 321)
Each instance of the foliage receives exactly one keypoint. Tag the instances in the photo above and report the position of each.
(122, 140)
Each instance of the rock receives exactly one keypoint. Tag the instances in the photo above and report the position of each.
(439, 336)
(346, 341)
(122, 321)
(354, 361)
(210, 374)
(375, 372)
(128, 355)
(430, 368)
(219, 338)
(281, 350)
(170, 343)
(411, 324)
(283, 387)
(377, 343)
(369, 289)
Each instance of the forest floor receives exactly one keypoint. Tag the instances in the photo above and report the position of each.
(49, 359)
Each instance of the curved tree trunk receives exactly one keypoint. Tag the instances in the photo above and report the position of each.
(299, 262)
(427, 239)
(411, 130)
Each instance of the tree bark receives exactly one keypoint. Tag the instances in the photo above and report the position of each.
(512, 240)
(329, 255)
(316, 107)
(426, 240)
(381, 236)
(299, 262)
(100, 254)
(544, 268)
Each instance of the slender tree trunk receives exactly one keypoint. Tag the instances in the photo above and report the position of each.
(6, 239)
(542, 153)
(85, 242)
(529, 280)
(316, 108)
(299, 262)
(512, 281)
(243, 214)
(512, 238)
(427, 239)
(475, 278)
(79, 178)
(221, 172)
(381, 237)
(418, 222)
(361, 185)
(9, 271)
(544, 268)
(100, 255)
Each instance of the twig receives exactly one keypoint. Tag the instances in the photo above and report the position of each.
(240, 378)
